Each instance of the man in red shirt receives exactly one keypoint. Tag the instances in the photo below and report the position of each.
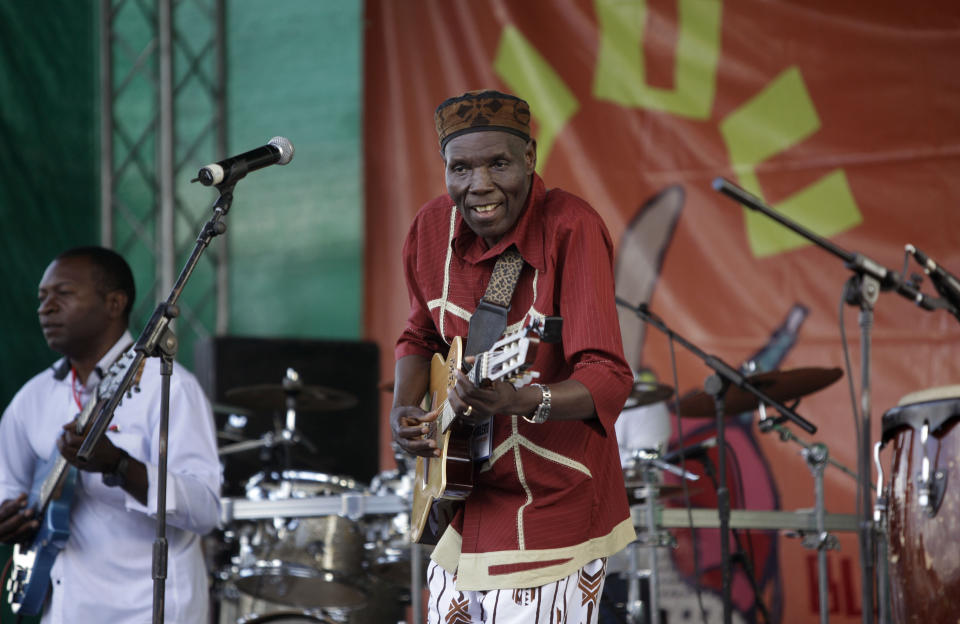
(548, 504)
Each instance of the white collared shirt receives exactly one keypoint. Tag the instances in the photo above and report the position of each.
(105, 573)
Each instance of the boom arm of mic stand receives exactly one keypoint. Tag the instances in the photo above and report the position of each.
(856, 262)
(722, 368)
(154, 340)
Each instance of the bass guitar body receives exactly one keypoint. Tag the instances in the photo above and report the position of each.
(29, 579)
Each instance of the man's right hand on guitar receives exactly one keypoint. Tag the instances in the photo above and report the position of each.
(410, 425)
(16, 521)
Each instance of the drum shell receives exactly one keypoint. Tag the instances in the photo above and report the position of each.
(386, 604)
(924, 559)
(301, 562)
(284, 617)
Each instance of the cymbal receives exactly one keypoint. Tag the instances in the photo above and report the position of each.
(273, 397)
(229, 437)
(648, 393)
(781, 386)
(636, 492)
(223, 408)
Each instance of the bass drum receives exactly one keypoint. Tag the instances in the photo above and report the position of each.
(924, 564)
(301, 562)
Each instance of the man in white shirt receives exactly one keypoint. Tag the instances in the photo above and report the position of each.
(104, 573)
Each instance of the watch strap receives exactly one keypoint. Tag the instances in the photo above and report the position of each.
(542, 413)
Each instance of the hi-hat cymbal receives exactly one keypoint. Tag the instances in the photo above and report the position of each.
(780, 386)
(273, 397)
(648, 393)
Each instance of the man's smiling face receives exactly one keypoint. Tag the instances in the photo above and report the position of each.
(489, 174)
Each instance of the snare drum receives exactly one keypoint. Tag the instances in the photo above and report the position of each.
(924, 505)
(301, 562)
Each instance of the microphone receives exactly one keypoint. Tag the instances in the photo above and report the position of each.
(279, 151)
(690, 452)
(946, 284)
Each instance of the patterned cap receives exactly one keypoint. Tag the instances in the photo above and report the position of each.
(482, 110)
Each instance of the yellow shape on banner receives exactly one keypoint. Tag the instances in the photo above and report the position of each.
(529, 76)
(776, 119)
(620, 75)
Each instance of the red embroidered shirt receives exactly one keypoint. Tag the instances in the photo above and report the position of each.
(551, 497)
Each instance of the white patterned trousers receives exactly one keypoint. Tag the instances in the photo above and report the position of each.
(571, 600)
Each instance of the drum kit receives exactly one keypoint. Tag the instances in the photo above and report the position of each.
(302, 546)
(299, 545)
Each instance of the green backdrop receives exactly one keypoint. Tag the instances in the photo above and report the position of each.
(295, 233)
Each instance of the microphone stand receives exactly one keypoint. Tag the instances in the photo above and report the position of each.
(862, 290)
(158, 340)
(717, 386)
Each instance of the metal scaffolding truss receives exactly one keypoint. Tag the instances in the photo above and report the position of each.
(163, 112)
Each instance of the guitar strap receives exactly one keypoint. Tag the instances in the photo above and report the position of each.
(489, 320)
(487, 325)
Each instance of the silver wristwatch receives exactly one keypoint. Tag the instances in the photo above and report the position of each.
(542, 413)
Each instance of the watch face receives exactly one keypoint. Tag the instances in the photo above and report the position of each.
(119, 475)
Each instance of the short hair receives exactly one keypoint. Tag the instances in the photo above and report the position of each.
(111, 271)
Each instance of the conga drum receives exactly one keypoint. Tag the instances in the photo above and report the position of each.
(923, 512)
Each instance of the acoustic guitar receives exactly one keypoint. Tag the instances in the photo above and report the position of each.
(440, 482)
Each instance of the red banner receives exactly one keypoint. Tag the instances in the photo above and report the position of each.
(841, 117)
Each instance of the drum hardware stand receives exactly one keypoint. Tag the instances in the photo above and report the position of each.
(881, 528)
(862, 290)
(648, 462)
(816, 456)
(717, 385)
(158, 340)
(416, 581)
(767, 425)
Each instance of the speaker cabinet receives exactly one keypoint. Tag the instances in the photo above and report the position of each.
(340, 442)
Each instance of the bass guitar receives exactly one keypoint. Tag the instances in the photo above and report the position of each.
(441, 481)
(51, 500)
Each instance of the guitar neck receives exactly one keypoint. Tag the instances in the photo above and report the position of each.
(58, 470)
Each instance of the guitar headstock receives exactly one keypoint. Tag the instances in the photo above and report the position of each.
(114, 376)
(510, 358)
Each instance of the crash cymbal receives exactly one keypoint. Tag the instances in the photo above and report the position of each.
(782, 386)
(648, 393)
(273, 397)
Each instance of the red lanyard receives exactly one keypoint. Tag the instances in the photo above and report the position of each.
(73, 387)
